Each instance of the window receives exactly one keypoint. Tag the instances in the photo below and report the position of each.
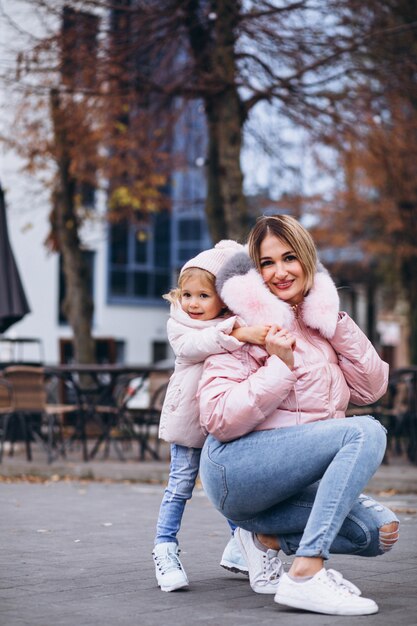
(87, 193)
(191, 237)
(140, 260)
(159, 351)
(190, 229)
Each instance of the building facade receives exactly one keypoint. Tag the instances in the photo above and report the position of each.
(131, 265)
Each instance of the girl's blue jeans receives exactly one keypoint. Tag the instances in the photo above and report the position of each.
(302, 484)
(185, 463)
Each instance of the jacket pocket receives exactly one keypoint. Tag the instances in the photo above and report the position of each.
(172, 398)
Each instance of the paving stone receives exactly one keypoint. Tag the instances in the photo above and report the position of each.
(79, 553)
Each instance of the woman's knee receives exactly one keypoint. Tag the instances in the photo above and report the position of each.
(388, 536)
(375, 435)
(379, 523)
(381, 540)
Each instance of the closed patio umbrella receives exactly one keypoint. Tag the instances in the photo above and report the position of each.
(13, 303)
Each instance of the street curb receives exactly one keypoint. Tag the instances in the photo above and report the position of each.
(401, 478)
(145, 472)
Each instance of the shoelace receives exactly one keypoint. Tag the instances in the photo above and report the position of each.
(341, 582)
(272, 568)
(167, 562)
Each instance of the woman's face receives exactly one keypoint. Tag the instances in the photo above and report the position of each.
(281, 270)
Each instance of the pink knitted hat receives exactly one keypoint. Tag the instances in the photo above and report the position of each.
(212, 260)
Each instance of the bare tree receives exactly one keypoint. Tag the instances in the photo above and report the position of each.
(76, 122)
(122, 63)
(377, 201)
(233, 55)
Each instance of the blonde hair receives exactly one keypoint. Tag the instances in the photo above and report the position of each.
(205, 276)
(287, 229)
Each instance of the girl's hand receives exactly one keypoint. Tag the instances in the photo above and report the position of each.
(281, 343)
(251, 334)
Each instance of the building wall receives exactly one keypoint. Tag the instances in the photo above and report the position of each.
(137, 326)
(28, 206)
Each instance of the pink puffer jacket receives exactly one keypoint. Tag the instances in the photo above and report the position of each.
(192, 341)
(335, 364)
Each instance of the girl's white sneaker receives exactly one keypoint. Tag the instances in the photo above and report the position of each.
(169, 571)
(323, 593)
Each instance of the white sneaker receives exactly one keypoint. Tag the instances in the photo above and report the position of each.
(232, 558)
(265, 568)
(323, 594)
(169, 571)
(338, 578)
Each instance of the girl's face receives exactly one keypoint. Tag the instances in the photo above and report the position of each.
(281, 270)
(199, 300)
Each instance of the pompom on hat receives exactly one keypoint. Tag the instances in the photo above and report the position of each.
(213, 260)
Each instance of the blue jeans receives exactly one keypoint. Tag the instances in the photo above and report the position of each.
(183, 472)
(302, 484)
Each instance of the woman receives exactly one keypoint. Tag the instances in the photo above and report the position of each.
(281, 461)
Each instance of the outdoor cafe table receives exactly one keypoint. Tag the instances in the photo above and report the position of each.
(98, 393)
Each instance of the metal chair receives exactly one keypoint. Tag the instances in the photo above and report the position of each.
(399, 412)
(6, 409)
(145, 420)
(38, 420)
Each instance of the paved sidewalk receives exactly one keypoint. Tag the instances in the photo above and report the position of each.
(77, 552)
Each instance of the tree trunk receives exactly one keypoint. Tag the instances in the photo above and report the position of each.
(226, 207)
(407, 245)
(213, 41)
(78, 305)
(370, 311)
(409, 282)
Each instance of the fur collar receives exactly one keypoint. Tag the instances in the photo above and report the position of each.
(243, 291)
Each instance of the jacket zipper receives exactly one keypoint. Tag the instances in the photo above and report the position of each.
(307, 336)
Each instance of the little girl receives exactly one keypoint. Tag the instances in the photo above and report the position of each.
(199, 326)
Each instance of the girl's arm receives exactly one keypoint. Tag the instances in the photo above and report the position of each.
(195, 345)
(251, 334)
(365, 372)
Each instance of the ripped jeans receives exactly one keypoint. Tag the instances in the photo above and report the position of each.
(303, 484)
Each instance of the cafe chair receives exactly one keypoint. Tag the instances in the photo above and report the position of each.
(105, 424)
(6, 409)
(37, 419)
(144, 414)
(114, 424)
(397, 411)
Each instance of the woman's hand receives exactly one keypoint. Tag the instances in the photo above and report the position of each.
(281, 343)
(251, 334)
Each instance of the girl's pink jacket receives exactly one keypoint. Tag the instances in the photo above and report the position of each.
(335, 364)
(192, 341)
